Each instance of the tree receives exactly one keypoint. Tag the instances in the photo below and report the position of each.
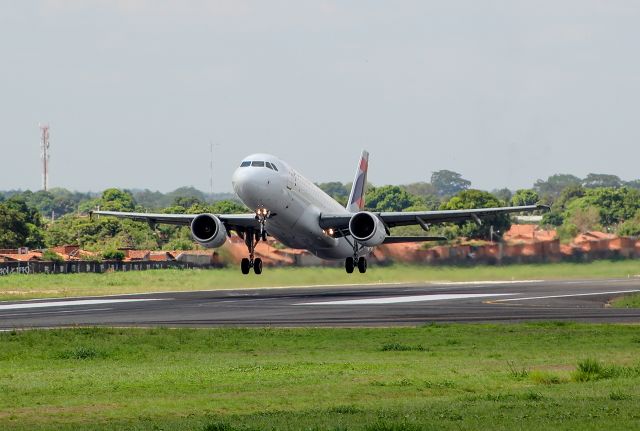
(554, 185)
(525, 197)
(503, 194)
(421, 189)
(20, 224)
(615, 205)
(187, 201)
(185, 192)
(469, 199)
(389, 198)
(228, 206)
(101, 233)
(633, 184)
(13, 227)
(593, 181)
(585, 219)
(567, 195)
(448, 183)
(630, 227)
(335, 189)
(117, 200)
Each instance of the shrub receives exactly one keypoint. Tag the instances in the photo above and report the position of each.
(546, 378)
(619, 396)
(592, 369)
(515, 372)
(113, 255)
(52, 256)
(397, 347)
(630, 227)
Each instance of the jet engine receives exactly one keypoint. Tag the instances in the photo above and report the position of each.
(367, 228)
(208, 231)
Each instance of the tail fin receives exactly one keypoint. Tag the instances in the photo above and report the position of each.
(356, 197)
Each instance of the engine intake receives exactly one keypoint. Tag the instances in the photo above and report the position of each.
(367, 229)
(208, 231)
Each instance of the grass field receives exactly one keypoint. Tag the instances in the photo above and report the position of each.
(63, 285)
(440, 377)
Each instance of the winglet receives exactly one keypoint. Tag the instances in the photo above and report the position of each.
(356, 197)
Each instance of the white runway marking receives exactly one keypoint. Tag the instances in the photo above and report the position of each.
(412, 298)
(615, 292)
(466, 283)
(68, 303)
(48, 313)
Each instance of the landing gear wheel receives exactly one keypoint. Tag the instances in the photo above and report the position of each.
(362, 265)
(257, 266)
(245, 266)
(349, 265)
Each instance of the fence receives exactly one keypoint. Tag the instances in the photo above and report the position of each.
(7, 268)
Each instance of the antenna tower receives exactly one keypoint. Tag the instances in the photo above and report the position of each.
(44, 147)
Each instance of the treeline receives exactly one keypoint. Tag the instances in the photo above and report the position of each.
(58, 201)
(23, 224)
(598, 201)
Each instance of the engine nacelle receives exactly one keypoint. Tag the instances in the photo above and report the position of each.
(367, 229)
(208, 231)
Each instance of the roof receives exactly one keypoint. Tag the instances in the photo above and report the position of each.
(593, 236)
(160, 256)
(34, 255)
(529, 232)
(136, 254)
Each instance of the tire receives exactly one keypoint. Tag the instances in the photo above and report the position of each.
(362, 265)
(257, 266)
(349, 265)
(245, 266)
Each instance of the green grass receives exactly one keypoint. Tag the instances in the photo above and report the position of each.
(63, 285)
(440, 377)
(627, 301)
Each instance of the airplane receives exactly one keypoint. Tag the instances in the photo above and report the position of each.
(296, 212)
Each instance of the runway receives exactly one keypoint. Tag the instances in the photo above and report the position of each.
(352, 305)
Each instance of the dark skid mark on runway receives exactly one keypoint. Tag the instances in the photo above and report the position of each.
(276, 307)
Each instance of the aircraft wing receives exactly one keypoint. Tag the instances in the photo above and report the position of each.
(237, 222)
(425, 218)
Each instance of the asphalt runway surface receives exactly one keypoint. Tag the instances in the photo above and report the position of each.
(351, 305)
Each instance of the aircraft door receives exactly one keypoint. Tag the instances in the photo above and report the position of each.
(291, 180)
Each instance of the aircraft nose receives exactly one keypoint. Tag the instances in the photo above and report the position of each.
(239, 180)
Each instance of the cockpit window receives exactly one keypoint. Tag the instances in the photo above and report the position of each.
(274, 167)
(269, 165)
(245, 164)
(257, 164)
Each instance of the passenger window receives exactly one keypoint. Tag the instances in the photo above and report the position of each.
(257, 164)
(245, 164)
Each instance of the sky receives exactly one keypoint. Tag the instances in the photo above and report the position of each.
(135, 91)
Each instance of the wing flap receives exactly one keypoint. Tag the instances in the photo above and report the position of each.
(232, 221)
(403, 239)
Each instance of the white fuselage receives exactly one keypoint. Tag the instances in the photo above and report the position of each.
(295, 205)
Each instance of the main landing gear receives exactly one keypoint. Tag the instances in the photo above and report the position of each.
(351, 263)
(251, 239)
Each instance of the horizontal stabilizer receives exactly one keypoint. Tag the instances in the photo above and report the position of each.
(400, 239)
